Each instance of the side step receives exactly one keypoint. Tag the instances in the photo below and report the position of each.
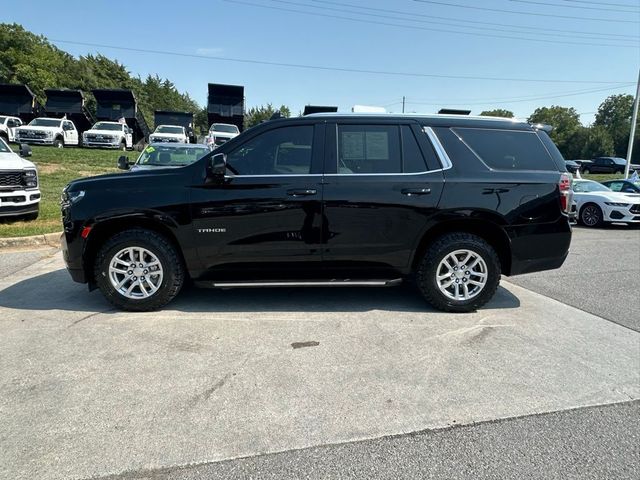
(302, 283)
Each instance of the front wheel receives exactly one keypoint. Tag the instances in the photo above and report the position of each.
(123, 146)
(139, 270)
(58, 143)
(459, 272)
(591, 215)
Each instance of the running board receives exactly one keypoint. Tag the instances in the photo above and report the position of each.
(302, 283)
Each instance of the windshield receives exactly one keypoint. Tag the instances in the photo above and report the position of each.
(165, 129)
(171, 157)
(224, 128)
(44, 122)
(4, 148)
(116, 127)
(587, 186)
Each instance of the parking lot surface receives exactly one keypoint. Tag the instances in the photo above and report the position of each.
(343, 374)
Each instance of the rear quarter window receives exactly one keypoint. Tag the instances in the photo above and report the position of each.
(507, 149)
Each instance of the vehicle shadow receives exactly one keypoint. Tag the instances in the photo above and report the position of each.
(56, 291)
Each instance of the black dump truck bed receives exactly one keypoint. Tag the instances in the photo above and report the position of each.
(183, 119)
(18, 101)
(61, 102)
(114, 104)
(310, 109)
(226, 104)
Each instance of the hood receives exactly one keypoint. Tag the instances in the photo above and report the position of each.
(13, 161)
(612, 196)
(36, 128)
(104, 132)
(223, 134)
(168, 135)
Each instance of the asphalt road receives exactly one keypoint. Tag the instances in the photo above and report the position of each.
(214, 386)
(601, 275)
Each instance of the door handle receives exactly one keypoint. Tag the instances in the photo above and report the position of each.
(415, 191)
(303, 192)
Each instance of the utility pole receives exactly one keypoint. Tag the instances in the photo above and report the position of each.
(403, 104)
(632, 134)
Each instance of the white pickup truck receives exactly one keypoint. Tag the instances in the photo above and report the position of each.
(220, 133)
(19, 192)
(8, 127)
(108, 135)
(169, 133)
(58, 132)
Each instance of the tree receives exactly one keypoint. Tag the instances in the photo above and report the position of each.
(565, 122)
(598, 143)
(614, 114)
(257, 115)
(498, 112)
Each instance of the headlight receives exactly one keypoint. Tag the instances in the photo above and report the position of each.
(71, 197)
(616, 204)
(30, 178)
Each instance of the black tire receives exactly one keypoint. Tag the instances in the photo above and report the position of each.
(426, 275)
(591, 216)
(586, 170)
(29, 217)
(123, 146)
(163, 249)
(58, 143)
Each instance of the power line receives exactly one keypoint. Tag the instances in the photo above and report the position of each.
(525, 27)
(333, 69)
(527, 97)
(601, 3)
(518, 12)
(413, 27)
(575, 6)
(503, 102)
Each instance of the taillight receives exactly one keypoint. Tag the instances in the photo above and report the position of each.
(566, 196)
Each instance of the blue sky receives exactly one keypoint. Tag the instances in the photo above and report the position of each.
(390, 36)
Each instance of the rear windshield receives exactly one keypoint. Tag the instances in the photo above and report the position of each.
(507, 149)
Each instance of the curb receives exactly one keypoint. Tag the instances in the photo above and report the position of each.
(45, 240)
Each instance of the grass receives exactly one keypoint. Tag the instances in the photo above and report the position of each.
(56, 168)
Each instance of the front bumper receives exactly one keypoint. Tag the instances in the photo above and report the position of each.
(19, 202)
(35, 141)
(621, 214)
(90, 144)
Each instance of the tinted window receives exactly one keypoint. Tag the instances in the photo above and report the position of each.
(615, 186)
(507, 149)
(412, 159)
(283, 151)
(369, 149)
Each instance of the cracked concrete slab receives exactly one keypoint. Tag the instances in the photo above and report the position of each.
(86, 390)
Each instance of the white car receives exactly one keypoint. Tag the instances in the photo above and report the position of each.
(108, 135)
(220, 133)
(8, 127)
(19, 192)
(597, 204)
(58, 132)
(170, 134)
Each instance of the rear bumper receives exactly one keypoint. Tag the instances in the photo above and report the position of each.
(539, 247)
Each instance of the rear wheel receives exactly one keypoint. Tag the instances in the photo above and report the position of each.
(591, 215)
(139, 270)
(459, 272)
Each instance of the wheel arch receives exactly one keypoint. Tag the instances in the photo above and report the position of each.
(488, 230)
(105, 229)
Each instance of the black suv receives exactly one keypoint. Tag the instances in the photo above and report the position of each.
(605, 165)
(448, 202)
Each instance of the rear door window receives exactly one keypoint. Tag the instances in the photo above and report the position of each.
(507, 149)
(369, 149)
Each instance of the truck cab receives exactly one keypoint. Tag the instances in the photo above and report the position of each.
(8, 127)
(169, 134)
(109, 135)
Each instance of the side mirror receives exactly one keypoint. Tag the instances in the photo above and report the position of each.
(218, 164)
(123, 163)
(25, 150)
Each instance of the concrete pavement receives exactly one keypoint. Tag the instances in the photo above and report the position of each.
(87, 391)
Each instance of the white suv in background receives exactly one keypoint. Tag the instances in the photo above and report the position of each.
(19, 193)
(220, 133)
(8, 127)
(58, 132)
(108, 135)
(169, 133)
